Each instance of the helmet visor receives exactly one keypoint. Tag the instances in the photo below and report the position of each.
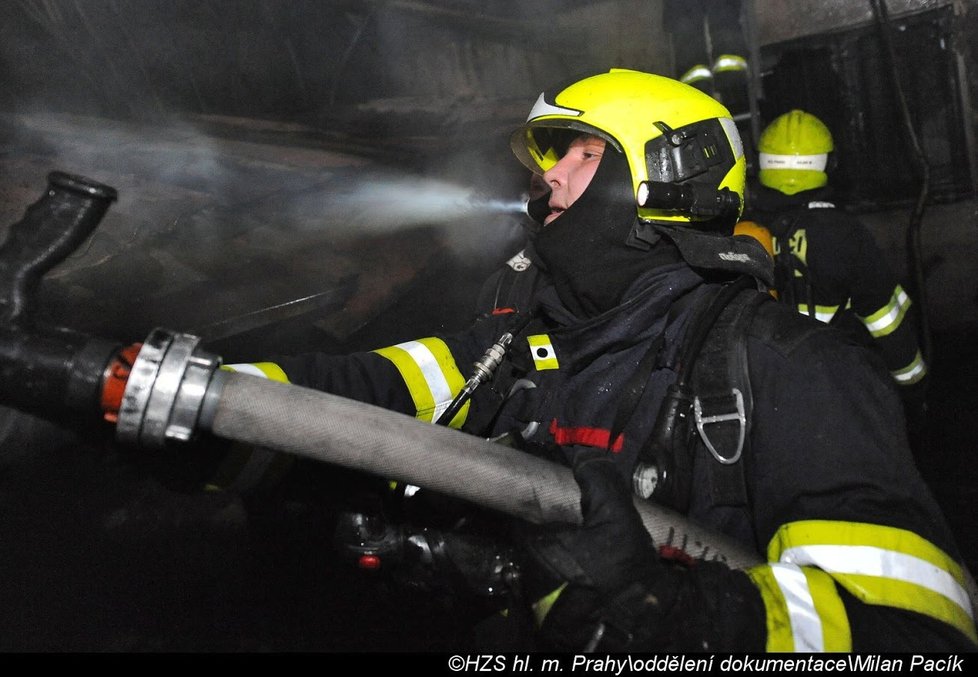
(540, 146)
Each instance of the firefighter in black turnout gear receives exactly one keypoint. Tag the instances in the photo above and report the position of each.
(827, 264)
(784, 439)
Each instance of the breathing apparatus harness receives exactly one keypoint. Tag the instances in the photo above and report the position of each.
(711, 398)
(705, 414)
(793, 281)
(792, 277)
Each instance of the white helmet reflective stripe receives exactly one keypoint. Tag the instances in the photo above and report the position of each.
(542, 107)
(774, 161)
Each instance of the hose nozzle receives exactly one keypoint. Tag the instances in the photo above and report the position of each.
(49, 371)
(51, 229)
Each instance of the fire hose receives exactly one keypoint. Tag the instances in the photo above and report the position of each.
(167, 390)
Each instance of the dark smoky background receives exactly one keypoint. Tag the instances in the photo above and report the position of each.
(292, 176)
(335, 175)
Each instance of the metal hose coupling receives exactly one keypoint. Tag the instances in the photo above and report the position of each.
(165, 387)
(486, 365)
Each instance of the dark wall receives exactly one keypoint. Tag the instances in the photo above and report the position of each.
(297, 60)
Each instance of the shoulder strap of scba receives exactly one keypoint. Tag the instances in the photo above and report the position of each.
(722, 400)
(706, 415)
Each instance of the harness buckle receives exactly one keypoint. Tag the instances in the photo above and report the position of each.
(738, 415)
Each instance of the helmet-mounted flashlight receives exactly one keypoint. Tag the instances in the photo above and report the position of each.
(695, 199)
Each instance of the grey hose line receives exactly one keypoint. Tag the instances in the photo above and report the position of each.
(332, 429)
(337, 430)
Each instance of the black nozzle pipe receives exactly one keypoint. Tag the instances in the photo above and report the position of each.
(53, 372)
(51, 229)
(49, 371)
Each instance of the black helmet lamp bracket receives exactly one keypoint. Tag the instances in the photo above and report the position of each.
(685, 165)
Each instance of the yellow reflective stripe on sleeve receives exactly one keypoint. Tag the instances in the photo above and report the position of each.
(779, 635)
(542, 351)
(806, 626)
(836, 634)
(729, 62)
(892, 579)
(268, 370)
(899, 568)
(822, 313)
(431, 377)
(543, 605)
(886, 320)
(912, 373)
(697, 73)
(804, 610)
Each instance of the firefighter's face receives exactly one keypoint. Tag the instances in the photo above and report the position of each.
(570, 177)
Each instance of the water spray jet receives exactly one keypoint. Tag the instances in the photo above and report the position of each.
(406, 201)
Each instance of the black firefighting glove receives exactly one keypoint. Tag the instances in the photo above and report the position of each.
(618, 594)
(605, 569)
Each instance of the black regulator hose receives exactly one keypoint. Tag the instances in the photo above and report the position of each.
(485, 367)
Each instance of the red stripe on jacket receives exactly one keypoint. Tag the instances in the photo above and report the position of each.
(585, 436)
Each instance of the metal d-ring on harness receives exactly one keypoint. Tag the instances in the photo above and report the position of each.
(739, 415)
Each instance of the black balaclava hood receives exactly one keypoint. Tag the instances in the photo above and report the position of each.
(585, 250)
